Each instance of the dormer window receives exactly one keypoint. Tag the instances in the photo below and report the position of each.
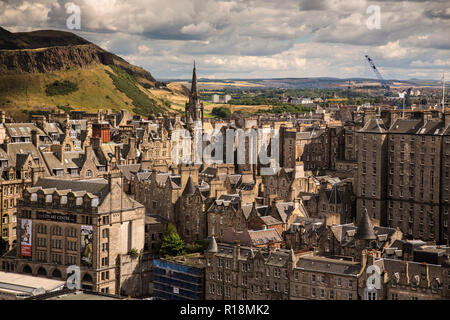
(71, 202)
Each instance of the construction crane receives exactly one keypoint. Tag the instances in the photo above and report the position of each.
(383, 82)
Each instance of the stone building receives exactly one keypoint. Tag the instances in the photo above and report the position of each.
(92, 224)
(234, 272)
(321, 278)
(191, 217)
(21, 163)
(372, 167)
(403, 176)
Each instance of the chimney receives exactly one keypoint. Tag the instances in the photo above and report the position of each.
(299, 170)
(114, 181)
(95, 143)
(35, 138)
(117, 154)
(36, 173)
(58, 150)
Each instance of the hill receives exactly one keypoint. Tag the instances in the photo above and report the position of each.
(42, 70)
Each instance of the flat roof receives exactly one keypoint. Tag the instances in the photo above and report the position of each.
(79, 295)
(22, 283)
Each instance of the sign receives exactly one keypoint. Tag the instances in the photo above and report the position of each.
(176, 290)
(25, 237)
(57, 217)
(87, 233)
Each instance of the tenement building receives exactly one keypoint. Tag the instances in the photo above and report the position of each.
(403, 176)
(92, 224)
(235, 272)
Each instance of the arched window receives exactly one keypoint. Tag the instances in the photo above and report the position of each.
(42, 272)
(27, 269)
(56, 274)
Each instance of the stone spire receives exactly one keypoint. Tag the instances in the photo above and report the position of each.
(194, 88)
(365, 228)
(189, 190)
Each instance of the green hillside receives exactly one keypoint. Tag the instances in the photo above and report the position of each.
(91, 88)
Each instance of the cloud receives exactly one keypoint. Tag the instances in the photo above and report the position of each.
(254, 38)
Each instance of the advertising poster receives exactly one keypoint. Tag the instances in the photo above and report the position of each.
(86, 245)
(25, 238)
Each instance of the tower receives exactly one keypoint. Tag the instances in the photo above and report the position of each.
(194, 108)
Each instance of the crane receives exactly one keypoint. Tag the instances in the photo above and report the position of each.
(383, 82)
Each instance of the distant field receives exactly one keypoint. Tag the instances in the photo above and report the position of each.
(178, 100)
(219, 85)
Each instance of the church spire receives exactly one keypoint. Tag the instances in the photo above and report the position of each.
(194, 89)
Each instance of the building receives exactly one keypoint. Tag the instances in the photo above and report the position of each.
(179, 278)
(194, 108)
(413, 194)
(245, 273)
(316, 278)
(89, 223)
(15, 286)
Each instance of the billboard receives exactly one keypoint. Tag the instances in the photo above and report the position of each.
(86, 245)
(25, 237)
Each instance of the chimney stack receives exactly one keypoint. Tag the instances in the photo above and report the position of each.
(35, 138)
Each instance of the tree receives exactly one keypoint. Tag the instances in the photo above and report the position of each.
(221, 112)
(171, 244)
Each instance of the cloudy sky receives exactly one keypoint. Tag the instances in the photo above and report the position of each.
(256, 38)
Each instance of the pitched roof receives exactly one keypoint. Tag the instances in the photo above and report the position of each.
(189, 189)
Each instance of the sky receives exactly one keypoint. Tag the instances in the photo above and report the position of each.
(256, 38)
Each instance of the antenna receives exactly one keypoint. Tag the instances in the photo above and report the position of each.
(443, 93)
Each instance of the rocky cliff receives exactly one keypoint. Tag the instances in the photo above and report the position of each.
(48, 51)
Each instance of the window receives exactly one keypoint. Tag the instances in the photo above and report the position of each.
(313, 292)
(372, 295)
(350, 283)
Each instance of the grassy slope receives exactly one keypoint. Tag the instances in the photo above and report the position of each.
(96, 91)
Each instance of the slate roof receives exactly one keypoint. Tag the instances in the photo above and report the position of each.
(328, 265)
(270, 221)
(285, 210)
(374, 126)
(405, 126)
(263, 237)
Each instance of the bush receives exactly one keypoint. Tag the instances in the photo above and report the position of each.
(133, 253)
(171, 244)
(198, 246)
(60, 88)
(221, 112)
